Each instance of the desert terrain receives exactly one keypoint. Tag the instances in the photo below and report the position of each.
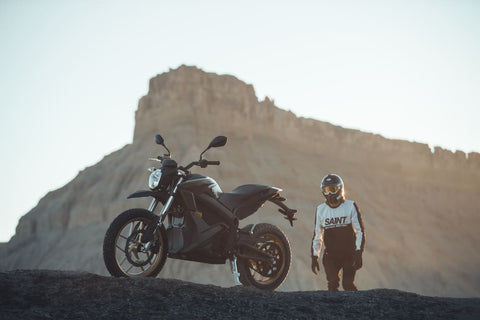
(419, 208)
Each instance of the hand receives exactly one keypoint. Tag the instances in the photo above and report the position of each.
(315, 265)
(357, 260)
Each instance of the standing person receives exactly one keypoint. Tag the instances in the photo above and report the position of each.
(339, 225)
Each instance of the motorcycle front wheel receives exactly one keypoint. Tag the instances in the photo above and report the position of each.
(263, 275)
(130, 249)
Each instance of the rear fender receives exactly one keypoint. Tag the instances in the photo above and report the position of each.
(286, 211)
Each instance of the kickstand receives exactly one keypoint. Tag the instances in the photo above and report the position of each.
(236, 274)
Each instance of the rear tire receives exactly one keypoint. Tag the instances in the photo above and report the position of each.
(124, 252)
(263, 275)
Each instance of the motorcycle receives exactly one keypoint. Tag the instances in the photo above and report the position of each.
(198, 222)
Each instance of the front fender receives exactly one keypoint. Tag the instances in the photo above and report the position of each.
(159, 195)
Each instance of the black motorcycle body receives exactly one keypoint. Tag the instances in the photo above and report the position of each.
(199, 222)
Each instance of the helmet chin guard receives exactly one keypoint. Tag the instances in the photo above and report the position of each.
(334, 200)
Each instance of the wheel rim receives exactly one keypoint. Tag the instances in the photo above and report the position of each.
(133, 257)
(266, 273)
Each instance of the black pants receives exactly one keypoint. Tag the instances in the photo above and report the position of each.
(332, 265)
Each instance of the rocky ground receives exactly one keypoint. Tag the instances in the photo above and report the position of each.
(42, 294)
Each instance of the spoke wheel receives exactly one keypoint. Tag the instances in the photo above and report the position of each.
(131, 249)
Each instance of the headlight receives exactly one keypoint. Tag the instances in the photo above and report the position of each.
(154, 179)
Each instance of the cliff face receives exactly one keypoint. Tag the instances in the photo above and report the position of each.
(419, 208)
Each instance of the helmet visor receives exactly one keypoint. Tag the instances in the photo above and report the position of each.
(330, 189)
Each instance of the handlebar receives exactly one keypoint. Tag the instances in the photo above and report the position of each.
(160, 158)
(202, 164)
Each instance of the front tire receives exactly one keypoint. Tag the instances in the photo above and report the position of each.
(129, 247)
(267, 276)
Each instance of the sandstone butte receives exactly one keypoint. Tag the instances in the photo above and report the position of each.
(420, 209)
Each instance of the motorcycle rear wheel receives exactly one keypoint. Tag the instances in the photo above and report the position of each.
(267, 276)
(126, 252)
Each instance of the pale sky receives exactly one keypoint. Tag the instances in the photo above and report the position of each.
(71, 73)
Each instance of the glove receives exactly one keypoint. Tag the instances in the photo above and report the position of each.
(357, 260)
(315, 265)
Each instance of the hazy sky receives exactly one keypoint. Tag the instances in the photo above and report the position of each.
(71, 73)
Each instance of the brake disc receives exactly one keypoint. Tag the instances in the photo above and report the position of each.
(134, 246)
(264, 268)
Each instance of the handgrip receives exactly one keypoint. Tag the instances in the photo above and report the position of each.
(202, 164)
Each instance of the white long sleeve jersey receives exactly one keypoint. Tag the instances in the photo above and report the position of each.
(340, 228)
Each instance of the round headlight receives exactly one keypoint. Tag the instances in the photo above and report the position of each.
(154, 179)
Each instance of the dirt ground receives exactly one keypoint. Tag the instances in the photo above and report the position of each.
(41, 294)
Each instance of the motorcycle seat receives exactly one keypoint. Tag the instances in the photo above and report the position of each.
(246, 195)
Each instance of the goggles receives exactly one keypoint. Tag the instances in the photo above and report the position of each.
(330, 189)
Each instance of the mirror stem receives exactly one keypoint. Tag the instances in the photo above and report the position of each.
(166, 148)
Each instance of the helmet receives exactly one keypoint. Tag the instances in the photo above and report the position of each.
(332, 189)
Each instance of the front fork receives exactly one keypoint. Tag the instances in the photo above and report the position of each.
(168, 204)
(166, 207)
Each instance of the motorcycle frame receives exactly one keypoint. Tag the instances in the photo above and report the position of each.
(277, 199)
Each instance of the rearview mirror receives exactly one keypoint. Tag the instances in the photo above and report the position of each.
(219, 141)
(159, 139)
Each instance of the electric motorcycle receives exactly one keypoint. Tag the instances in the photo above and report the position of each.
(199, 222)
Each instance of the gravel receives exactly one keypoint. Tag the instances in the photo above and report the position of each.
(45, 294)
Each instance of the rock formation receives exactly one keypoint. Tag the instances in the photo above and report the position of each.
(420, 209)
